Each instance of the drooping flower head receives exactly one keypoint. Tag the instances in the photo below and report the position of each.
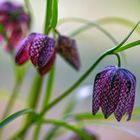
(114, 91)
(67, 48)
(15, 21)
(40, 49)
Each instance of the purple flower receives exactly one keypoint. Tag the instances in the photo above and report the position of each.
(67, 48)
(114, 91)
(40, 49)
(15, 21)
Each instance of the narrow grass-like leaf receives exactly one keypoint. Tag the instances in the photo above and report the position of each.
(127, 46)
(15, 115)
(69, 127)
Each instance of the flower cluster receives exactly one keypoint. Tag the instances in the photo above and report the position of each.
(15, 22)
(42, 51)
(114, 91)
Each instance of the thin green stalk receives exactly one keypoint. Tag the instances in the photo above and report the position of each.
(48, 16)
(46, 101)
(90, 24)
(33, 100)
(69, 127)
(12, 99)
(119, 59)
(102, 21)
(127, 46)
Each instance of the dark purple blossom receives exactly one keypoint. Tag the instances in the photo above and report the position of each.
(114, 91)
(67, 48)
(40, 49)
(15, 21)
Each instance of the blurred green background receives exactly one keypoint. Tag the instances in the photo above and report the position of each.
(90, 44)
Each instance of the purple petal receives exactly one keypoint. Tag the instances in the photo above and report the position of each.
(124, 95)
(67, 48)
(101, 87)
(41, 50)
(22, 52)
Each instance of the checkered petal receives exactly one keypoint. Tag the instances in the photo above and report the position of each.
(124, 95)
(41, 50)
(22, 52)
(101, 88)
(131, 99)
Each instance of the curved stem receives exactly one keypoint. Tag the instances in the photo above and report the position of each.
(119, 59)
(102, 21)
(77, 83)
(11, 100)
(88, 25)
(70, 127)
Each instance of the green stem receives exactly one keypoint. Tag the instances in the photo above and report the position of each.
(119, 59)
(49, 87)
(127, 46)
(73, 128)
(46, 101)
(90, 24)
(74, 86)
(12, 100)
(102, 21)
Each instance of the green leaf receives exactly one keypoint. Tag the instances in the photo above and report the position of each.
(15, 115)
(127, 46)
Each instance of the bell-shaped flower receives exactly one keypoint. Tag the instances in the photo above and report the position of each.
(114, 91)
(15, 22)
(40, 49)
(67, 48)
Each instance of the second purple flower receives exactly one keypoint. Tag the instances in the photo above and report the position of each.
(114, 91)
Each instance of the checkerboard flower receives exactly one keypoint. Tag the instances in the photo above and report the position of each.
(114, 91)
(40, 49)
(15, 21)
(67, 48)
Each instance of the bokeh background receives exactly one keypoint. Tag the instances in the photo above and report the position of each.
(90, 44)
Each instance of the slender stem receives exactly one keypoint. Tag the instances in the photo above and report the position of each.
(90, 24)
(49, 87)
(119, 59)
(70, 127)
(46, 101)
(102, 21)
(76, 84)
(12, 99)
